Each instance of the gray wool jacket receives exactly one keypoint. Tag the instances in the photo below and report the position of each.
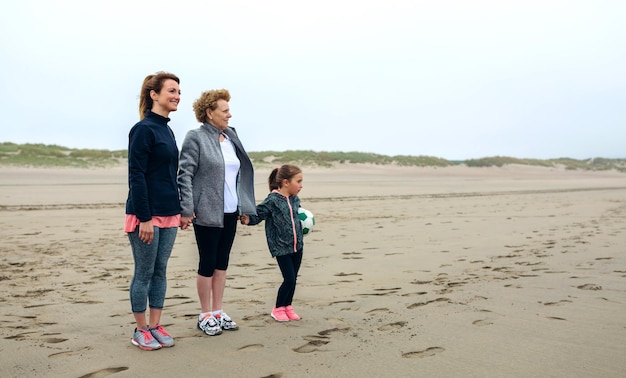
(201, 176)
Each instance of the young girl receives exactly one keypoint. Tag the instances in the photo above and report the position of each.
(283, 231)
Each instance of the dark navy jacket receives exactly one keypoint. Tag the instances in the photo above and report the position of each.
(152, 169)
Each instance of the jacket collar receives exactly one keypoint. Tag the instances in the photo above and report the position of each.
(156, 117)
(212, 129)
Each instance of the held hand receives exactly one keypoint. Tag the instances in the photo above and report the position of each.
(185, 222)
(146, 232)
(244, 219)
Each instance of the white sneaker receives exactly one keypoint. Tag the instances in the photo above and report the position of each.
(226, 323)
(210, 325)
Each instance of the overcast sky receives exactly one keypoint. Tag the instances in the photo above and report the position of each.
(454, 79)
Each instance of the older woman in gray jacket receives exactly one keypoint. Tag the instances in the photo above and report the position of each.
(216, 183)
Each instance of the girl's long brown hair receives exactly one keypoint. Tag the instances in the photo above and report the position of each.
(284, 172)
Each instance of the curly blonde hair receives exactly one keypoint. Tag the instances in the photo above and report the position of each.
(208, 101)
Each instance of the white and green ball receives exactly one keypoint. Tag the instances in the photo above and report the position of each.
(307, 219)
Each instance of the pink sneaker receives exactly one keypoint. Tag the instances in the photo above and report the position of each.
(291, 314)
(278, 313)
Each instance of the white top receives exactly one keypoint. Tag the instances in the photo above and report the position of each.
(231, 165)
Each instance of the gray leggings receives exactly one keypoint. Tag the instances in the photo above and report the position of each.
(149, 282)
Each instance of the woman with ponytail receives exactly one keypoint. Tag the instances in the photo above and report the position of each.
(153, 205)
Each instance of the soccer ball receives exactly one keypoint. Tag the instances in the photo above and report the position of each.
(307, 220)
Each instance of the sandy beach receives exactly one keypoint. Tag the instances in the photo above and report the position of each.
(410, 272)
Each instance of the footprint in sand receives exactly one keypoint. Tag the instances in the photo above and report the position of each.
(528, 263)
(352, 255)
(69, 352)
(336, 321)
(251, 347)
(379, 309)
(559, 303)
(428, 352)
(341, 302)
(53, 340)
(19, 337)
(342, 274)
(391, 326)
(482, 322)
(104, 372)
(311, 346)
(262, 317)
(419, 304)
(589, 287)
(321, 339)
(27, 335)
(333, 330)
(383, 291)
(415, 294)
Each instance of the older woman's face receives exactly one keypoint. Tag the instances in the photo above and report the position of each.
(220, 116)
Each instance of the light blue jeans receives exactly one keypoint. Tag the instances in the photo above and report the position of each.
(149, 281)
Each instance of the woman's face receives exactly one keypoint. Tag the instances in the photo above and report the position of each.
(167, 100)
(220, 116)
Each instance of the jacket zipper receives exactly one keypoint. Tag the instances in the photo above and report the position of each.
(293, 224)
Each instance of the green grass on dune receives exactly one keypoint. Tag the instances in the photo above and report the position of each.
(326, 159)
(594, 164)
(41, 155)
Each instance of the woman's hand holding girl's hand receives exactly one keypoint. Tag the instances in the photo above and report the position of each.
(244, 219)
(185, 222)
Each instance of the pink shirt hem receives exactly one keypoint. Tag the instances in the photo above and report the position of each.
(161, 222)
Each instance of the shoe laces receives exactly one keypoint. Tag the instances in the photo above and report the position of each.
(159, 328)
(208, 319)
(146, 334)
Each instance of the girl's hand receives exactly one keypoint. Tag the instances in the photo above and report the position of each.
(244, 219)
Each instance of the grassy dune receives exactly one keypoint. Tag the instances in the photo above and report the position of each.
(41, 155)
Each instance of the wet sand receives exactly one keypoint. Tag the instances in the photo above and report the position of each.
(439, 272)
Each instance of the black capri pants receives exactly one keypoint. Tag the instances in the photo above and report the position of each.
(214, 245)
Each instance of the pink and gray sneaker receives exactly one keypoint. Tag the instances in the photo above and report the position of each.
(164, 338)
(144, 340)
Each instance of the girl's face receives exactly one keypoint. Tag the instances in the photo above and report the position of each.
(220, 116)
(294, 186)
(167, 100)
